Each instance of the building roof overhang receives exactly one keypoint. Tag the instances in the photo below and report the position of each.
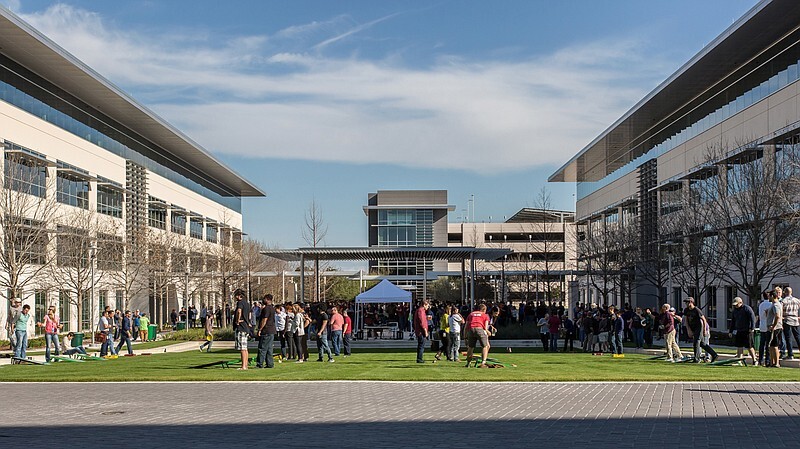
(766, 23)
(30, 48)
(381, 253)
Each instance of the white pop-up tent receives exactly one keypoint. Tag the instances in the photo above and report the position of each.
(384, 292)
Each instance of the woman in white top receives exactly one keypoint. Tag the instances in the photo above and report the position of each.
(455, 322)
(290, 330)
(300, 332)
(544, 330)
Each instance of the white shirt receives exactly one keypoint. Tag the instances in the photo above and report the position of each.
(454, 322)
(763, 308)
(280, 321)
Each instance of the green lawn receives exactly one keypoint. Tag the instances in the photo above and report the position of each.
(395, 365)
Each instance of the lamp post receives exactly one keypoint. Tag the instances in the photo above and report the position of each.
(92, 256)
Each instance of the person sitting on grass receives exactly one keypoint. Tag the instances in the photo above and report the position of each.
(477, 326)
(66, 344)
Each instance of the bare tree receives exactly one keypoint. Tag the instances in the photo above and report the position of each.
(752, 209)
(314, 234)
(26, 217)
(131, 274)
(596, 251)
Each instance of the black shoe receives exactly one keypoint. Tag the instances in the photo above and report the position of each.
(320, 360)
(714, 358)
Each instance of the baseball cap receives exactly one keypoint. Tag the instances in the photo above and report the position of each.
(737, 300)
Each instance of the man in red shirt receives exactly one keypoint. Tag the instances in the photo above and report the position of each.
(421, 328)
(477, 327)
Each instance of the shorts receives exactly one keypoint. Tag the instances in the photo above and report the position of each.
(602, 337)
(743, 339)
(475, 334)
(240, 342)
(776, 339)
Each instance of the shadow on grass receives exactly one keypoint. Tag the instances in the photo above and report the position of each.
(694, 432)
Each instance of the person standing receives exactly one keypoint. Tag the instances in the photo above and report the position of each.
(569, 333)
(454, 323)
(321, 331)
(791, 322)
(764, 358)
(544, 331)
(742, 327)
(203, 315)
(637, 327)
(421, 328)
(617, 325)
(280, 326)
(300, 332)
(267, 329)
(208, 330)
(51, 327)
(21, 332)
(477, 328)
(104, 327)
(137, 323)
(144, 325)
(347, 332)
(13, 315)
(241, 326)
(126, 332)
(337, 326)
(554, 325)
(667, 327)
(775, 327)
(649, 324)
(695, 325)
(289, 331)
(444, 335)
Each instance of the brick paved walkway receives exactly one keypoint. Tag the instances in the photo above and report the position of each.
(377, 415)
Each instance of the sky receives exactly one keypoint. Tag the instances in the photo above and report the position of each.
(326, 101)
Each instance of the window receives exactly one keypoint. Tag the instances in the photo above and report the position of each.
(86, 310)
(72, 247)
(72, 188)
(178, 223)
(196, 228)
(103, 300)
(211, 234)
(156, 213)
(711, 307)
(64, 309)
(30, 239)
(119, 298)
(730, 293)
(109, 201)
(110, 251)
(25, 174)
(39, 305)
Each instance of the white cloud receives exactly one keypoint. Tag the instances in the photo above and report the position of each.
(258, 96)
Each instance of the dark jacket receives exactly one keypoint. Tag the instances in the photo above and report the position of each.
(743, 319)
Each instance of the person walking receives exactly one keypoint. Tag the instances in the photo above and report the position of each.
(421, 328)
(695, 325)
(208, 331)
(267, 328)
(321, 332)
(126, 332)
(791, 322)
(241, 327)
(477, 328)
(667, 327)
(454, 323)
(21, 332)
(742, 327)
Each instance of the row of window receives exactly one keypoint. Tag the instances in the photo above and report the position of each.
(157, 218)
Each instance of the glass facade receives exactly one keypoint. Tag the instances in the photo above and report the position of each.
(156, 214)
(109, 201)
(31, 93)
(757, 85)
(404, 227)
(196, 228)
(25, 174)
(72, 190)
(178, 223)
(211, 234)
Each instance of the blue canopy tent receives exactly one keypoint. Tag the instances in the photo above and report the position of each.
(384, 292)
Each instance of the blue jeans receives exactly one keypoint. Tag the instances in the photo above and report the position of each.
(322, 346)
(455, 345)
(336, 339)
(48, 339)
(553, 342)
(421, 340)
(763, 347)
(616, 342)
(265, 344)
(20, 351)
(107, 346)
(788, 332)
(124, 339)
(638, 335)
